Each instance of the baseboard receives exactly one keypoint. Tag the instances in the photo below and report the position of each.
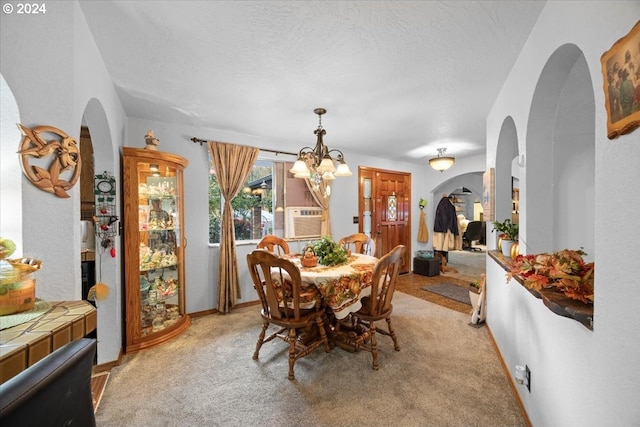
(214, 310)
(105, 367)
(509, 376)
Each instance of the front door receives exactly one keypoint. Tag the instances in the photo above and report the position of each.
(384, 210)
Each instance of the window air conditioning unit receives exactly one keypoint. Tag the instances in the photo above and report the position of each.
(303, 222)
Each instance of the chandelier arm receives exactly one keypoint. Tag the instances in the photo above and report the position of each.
(317, 163)
(301, 152)
(339, 157)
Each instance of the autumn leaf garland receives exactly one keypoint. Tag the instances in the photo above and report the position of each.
(565, 270)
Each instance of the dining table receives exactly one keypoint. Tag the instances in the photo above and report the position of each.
(342, 286)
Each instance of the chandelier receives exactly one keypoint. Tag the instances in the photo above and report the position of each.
(442, 162)
(317, 164)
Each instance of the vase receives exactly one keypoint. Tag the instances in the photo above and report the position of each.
(506, 247)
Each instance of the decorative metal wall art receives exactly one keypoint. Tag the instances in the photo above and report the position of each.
(106, 219)
(49, 175)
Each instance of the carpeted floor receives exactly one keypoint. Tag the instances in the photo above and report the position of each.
(446, 374)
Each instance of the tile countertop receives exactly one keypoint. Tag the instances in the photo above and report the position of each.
(23, 345)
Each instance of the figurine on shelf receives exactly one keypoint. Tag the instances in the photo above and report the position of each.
(151, 141)
(145, 256)
(157, 214)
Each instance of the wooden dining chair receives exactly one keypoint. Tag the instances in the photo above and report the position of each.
(378, 305)
(274, 244)
(359, 243)
(296, 310)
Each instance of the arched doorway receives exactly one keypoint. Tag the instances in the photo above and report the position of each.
(107, 268)
(10, 172)
(559, 180)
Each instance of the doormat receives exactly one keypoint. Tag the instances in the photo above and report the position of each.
(447, 290)
(98, 384)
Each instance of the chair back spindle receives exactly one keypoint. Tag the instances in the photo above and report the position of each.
(274, 244)
(285, 303)
(358, 243)
(378, 305)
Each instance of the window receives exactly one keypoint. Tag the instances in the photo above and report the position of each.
(259, 208)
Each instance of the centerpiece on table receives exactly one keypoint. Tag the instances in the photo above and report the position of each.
(327, 252)
(565, 270)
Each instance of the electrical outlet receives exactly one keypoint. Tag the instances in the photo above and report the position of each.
(356, 220)
(528, 374)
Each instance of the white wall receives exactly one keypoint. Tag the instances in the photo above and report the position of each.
(579, 377)
(53, 69)
(10, 172)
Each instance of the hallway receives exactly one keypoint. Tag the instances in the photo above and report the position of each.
(467, 267)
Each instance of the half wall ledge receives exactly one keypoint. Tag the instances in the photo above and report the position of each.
(555, 301)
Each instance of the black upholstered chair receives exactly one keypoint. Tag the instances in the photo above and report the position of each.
(55, 391)
(472, 234)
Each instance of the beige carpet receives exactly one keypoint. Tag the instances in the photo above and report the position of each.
(446, 374)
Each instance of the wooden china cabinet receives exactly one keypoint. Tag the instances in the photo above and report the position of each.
(154, 243)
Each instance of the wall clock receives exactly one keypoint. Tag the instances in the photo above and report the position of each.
(104, 187)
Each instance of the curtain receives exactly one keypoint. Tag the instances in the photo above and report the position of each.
(322, 196)
(232, 164)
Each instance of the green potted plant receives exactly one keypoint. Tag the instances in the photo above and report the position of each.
(507, 235)
(329, 252)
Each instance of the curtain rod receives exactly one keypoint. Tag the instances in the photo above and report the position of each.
(202, 141)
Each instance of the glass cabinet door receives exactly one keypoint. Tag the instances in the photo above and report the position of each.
(159, 228)
(154, 249)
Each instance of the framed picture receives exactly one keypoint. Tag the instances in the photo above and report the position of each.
(488, 194)
(621, 72)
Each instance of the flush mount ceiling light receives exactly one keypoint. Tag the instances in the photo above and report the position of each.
(317, 164)
(442, 162)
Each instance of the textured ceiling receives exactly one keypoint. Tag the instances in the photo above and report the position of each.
(398, 78)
